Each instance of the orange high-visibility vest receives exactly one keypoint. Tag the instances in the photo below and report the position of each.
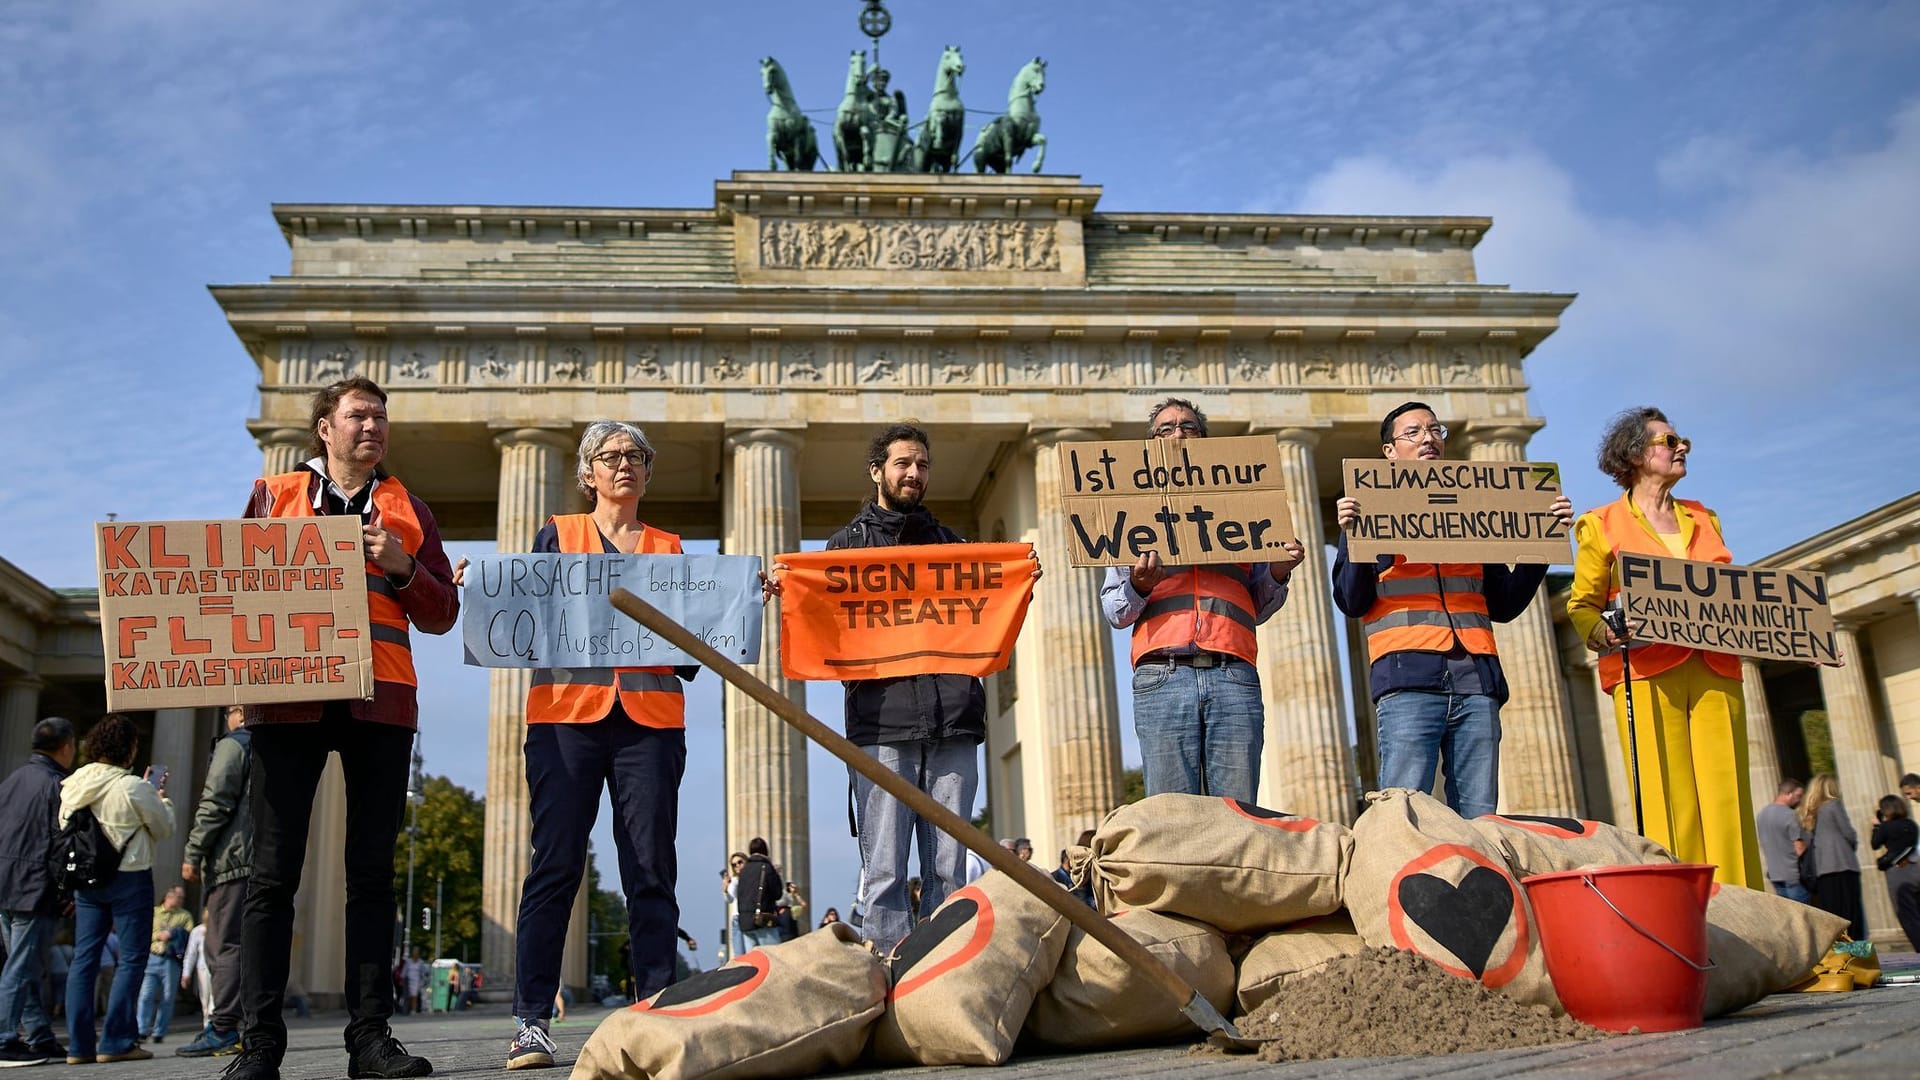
(1206, 607)
(1428, 607)
(1626, 533)
(392, 648)
(650, 695)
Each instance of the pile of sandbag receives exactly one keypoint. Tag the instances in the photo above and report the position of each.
(1238, 900)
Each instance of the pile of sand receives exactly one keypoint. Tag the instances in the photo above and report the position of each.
(1385, 1002)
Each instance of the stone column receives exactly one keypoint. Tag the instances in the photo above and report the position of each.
(1763, 757)
(1075, 652)
(766, 758)
(1366, 723)
(535, 470)
(1619, 772)
(1857, 758)
(1536, 758)
(283, 448)
(1307, 767)
(177, 746)
(19, 711)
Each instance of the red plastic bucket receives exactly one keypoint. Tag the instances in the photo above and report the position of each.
(1626, 946)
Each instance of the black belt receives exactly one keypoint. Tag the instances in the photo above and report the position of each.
(1192, 660)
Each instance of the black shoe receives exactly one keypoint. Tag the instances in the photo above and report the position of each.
(14, 1053)
(253, 1064)
(50, 1047)
(382, 1057)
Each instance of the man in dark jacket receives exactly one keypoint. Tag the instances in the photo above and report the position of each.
(220, 850)
(926, 728)
(29, 807)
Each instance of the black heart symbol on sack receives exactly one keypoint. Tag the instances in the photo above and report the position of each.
(928, 935)
(1570, 826)
(704, 984)
(1466, 919)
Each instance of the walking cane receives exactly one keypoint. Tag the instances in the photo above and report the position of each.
(1196, 1008)
(1616, 621)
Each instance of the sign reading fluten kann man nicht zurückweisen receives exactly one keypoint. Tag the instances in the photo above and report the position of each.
(1191, 500)
(1761, 612)
(554, 611)
(1456, 511)
(233, 612)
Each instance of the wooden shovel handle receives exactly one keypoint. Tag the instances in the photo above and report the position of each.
(1097, 926)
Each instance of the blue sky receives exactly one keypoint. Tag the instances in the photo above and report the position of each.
(1732, 188)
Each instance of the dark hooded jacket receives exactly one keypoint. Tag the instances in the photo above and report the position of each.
(919, 706)
(29, 808)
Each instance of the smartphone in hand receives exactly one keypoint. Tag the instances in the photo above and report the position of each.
(157, 775)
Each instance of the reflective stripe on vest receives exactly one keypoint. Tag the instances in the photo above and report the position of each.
(1209, 608)
(392, 649)
(1624, 532)
(651, 696)
(1428, 607)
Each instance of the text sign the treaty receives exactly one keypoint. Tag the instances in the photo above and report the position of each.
(1456, 511)
(1192, 500)
(1761, 612)
(237, 612)
(555, 611)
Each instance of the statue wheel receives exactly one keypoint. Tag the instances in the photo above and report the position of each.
(875, 22)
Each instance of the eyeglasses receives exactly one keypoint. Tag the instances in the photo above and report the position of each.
(1437, 431)
(1184, 427)
(1669, 440)
(639, 459)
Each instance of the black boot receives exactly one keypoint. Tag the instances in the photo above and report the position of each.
(254, 1063)
(379, 1055)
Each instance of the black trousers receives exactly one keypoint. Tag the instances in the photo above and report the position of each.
(287, 762)
(1838, 893)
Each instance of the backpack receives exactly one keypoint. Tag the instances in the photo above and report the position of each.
(82, 856)
(759, 894)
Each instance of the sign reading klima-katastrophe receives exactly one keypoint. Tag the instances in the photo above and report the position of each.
(1191, 500)
(1762, 612)
(554, 611)
(1456, 511)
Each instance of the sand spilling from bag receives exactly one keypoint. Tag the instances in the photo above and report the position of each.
(1386, 1003)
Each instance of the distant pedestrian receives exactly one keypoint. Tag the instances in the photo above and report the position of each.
(1836, 886)
(219, 854)
(1910, 787)
(29, 903)
(194, 973)
(166, 959)
(757, 891)
(832, 916)
(1782, 839)
(1897, 836)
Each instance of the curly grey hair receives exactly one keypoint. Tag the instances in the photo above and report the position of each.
(1624, 445)
(596, 437)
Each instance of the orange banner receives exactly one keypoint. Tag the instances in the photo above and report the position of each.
(880, 613)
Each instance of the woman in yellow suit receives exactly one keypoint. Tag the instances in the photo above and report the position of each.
(1690, 718)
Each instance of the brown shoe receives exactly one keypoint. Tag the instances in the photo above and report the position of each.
(71, 1060)
(136, 1053)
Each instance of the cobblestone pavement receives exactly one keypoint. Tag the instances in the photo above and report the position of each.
(1863, 1034)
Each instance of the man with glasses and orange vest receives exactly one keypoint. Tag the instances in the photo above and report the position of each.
(1196, 692)
(1433, 672)
(409, 584)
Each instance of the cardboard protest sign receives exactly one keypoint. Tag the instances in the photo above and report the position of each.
(233, 612)
(553, 611)
(1765, 613)
(1456, 511)
(878, 613)
(1192, 500)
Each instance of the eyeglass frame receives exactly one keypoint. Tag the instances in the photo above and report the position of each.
(1190, 427)
(1438, 431)
(1672, 441)
(639, 459)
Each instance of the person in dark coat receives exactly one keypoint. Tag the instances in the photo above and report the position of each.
(1895, 834)
(29, 903)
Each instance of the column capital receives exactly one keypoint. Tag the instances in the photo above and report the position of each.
(1304, 434)
(1040, 438)
(23, 681)
(1515, 429)
(270, 435)
(553, 438)
(789, 438)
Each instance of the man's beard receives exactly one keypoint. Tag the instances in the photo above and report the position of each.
(901, 498)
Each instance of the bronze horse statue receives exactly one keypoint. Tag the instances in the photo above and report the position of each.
(790, 135)
(939, 146)
(850, 121)
(1002, 142)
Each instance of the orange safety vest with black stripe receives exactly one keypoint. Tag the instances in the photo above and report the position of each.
(392, 648)
(1625, 532)
(1209, 608)
(651, 696)
(1428, 607)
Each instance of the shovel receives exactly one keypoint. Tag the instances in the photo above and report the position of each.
(1196, 1008)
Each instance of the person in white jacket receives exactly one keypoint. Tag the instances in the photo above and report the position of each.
(195, 967)
(133, 813)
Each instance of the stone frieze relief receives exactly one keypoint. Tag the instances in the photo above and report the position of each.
(829, 244)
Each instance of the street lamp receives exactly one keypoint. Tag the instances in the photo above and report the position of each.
(416, 795)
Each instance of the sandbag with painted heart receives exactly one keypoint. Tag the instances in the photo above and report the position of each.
(1237, 867)
(1292, 953)
(793, 1009)
(1096, 1000)
(1425, 880)
(964, 980)
(1547, 845)
(1761, 944)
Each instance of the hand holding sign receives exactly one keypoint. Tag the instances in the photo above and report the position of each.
(1433, 510)
(384, 549)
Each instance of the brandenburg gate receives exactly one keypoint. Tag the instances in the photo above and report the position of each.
(763, 339)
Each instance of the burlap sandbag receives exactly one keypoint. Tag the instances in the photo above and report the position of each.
(1761, 944)
(1425, 880)
(792, 1009)
(1547, 845)
(1096, 1000)
(964, 980)
(1232, 865)
(1292, 953)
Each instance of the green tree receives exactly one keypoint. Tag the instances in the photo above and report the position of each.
(1133, 786)
(1819, 738)
(447, 849)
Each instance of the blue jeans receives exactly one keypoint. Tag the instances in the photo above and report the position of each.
(949, 771)
(761, 937)
(1201, 729)
(1793, 890)
(124, 907)
(28, 938)
(157, 992)
(1419, 729)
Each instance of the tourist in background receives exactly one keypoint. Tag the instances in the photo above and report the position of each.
(1782, 839)
(166, 961)
(1689, 716)
(219, 853)
(1896, 837)
(29, 902)
(133, 814)
(194, 972)
(757, 890)
(1836, 864)
(832, 916)
(1196, 692)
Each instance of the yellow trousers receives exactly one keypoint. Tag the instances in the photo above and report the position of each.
(1691, 727)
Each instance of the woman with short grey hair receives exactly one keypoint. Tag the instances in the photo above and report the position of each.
(596, 436)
